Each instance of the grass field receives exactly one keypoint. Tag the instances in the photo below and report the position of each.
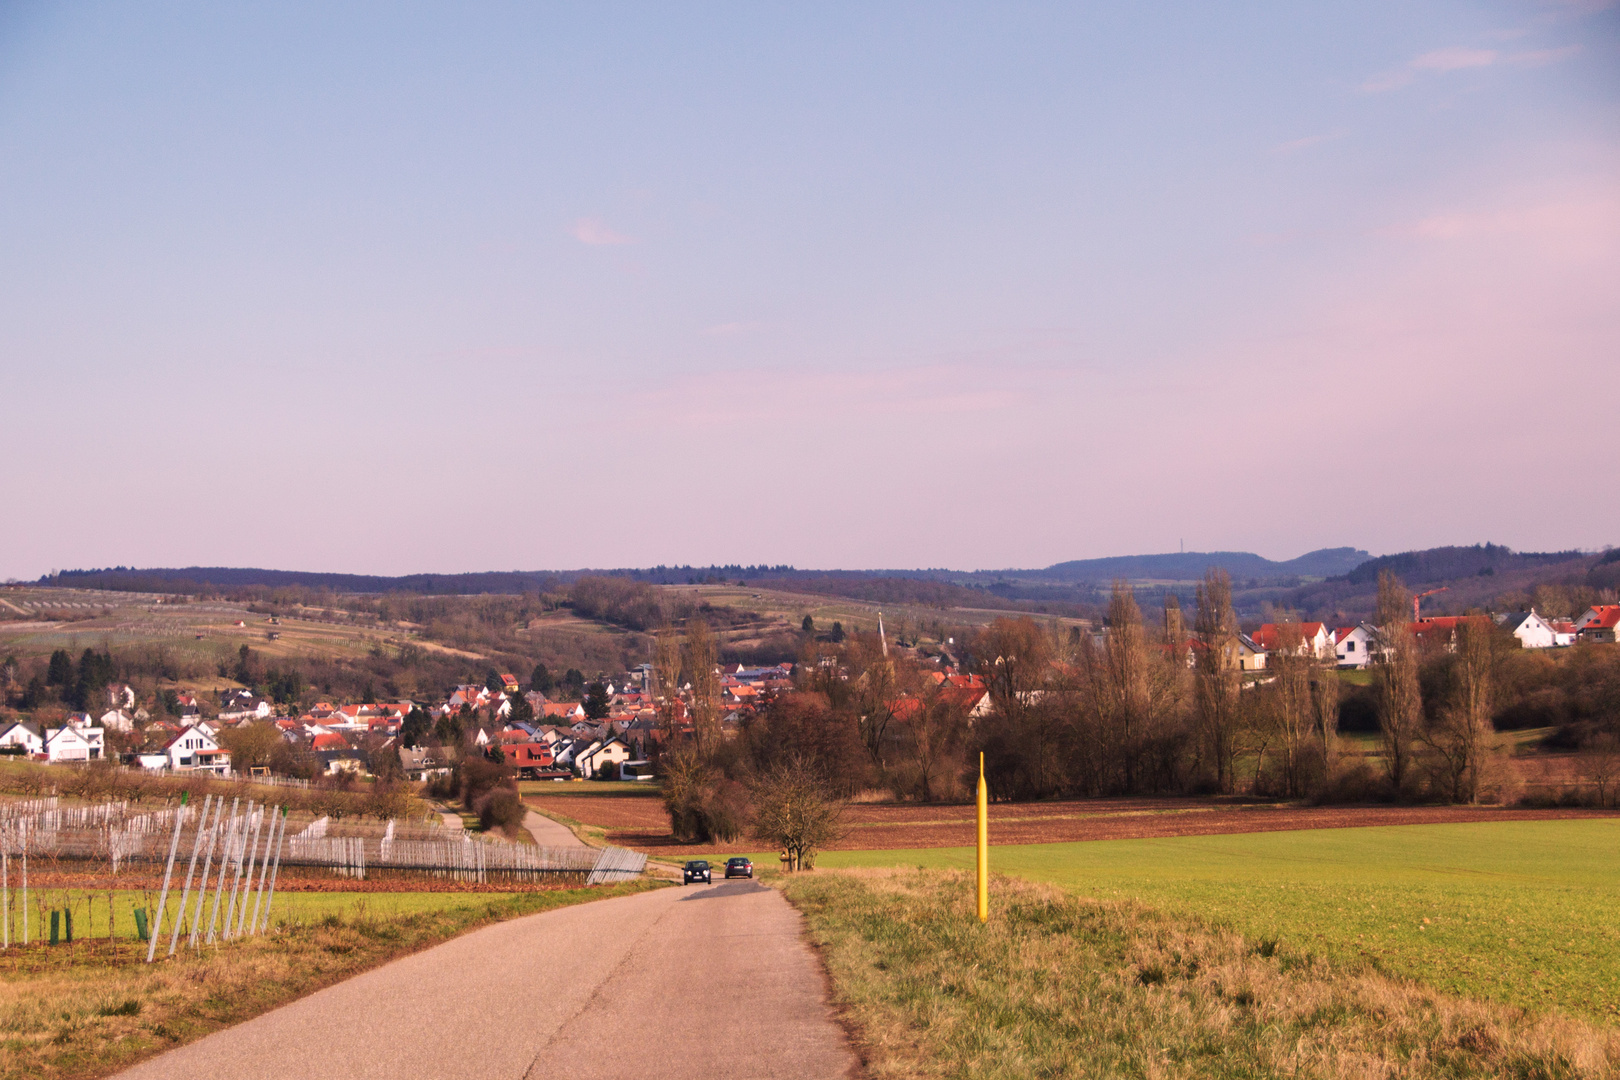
(1521, 913)
(88, 1010)
(1059, 985)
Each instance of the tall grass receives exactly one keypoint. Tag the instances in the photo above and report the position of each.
(1058, 986)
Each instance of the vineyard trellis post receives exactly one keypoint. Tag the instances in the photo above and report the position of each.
(191, 868)
(208, 864)
(276, 868)
(168, 872)
(224, 867)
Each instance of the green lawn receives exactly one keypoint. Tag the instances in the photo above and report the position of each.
(1518, 912)
(586, 789)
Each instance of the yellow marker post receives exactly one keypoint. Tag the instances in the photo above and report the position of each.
(984, 845)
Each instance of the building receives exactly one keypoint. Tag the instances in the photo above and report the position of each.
(26, 736)
(602, 759)
(74, 744)
(1353, 645)
(1531, 630)
(1314, 636)
(196, 750)
(1598, 624)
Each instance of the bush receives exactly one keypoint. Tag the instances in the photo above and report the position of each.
(501, 809)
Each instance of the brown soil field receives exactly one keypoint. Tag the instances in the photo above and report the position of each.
(642, 824)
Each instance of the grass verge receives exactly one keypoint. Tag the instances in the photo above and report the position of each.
(73, 1014)
(1521, 913)
(1062, 986)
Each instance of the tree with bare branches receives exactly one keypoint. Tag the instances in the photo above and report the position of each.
(701, 656)
(1219, 677)
(1400, 699)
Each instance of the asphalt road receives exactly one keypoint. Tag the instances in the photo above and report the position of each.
(701, 981)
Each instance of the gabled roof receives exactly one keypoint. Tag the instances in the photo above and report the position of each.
(1604, 617)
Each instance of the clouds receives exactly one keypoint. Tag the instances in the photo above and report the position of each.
(596, 233)
(1455, 58)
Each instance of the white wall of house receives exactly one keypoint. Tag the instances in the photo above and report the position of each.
(1355, 649)
(1534, 633)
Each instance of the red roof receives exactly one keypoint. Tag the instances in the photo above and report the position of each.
(1607, 617)
(1266, 636)
(330, 740)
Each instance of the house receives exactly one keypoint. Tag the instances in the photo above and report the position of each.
(1563, 632)
(528, 757)
(1314, 636)
(421, 762)
(602, 759)
(509, 683)
(117, 720)
(74, 744)
(26, 736)
(1248, 655)
(196, 750)
(1598, 624)
(1440, 631)
(1532, 631)
(1354, 645)
(121, 696)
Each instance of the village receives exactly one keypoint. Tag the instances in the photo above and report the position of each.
(618, 727)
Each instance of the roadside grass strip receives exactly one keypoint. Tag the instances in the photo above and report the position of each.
(1058, 985)
(1520, 913)
(93, 1008)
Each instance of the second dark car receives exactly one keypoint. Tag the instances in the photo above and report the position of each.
(739, 868)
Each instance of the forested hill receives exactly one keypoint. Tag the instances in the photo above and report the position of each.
(194, 578)
(1189, 565)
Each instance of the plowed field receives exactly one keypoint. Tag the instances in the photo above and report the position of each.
(640, 823)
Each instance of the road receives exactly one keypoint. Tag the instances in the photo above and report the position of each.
(674, 984)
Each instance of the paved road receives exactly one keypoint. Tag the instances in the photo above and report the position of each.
(676, 984)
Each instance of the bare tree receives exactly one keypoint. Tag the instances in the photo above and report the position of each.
(794, 809)
(667, 676)
(1290, 709)
(1400, 700)
(1461, 743)
(700, 657)
(1219, 677)
(1600, 755)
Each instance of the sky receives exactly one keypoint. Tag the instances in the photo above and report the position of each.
(447, 287)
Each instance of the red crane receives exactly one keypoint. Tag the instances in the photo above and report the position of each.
(1421, 595)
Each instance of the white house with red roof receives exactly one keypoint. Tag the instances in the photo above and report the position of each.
(1314, 636)
(1354, 645)
(1598, 624)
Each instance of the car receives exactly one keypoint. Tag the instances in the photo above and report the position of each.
(697, 870)
(739, 868)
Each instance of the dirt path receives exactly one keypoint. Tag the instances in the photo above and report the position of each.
(676, 984)
(549, 833)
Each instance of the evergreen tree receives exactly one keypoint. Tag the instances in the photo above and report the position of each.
(596, 702)
(60, 672)
(541, 680)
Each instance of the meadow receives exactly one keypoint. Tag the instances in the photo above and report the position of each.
(1515, 912)
(1060, 985)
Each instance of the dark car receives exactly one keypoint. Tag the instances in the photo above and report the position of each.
(739, 868)
(697, 870)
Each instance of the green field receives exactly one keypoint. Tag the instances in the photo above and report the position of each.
(1522, 913)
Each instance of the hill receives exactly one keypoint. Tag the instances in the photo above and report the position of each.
(1190, 565)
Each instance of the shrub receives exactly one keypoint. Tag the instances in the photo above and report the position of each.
(501, 809)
